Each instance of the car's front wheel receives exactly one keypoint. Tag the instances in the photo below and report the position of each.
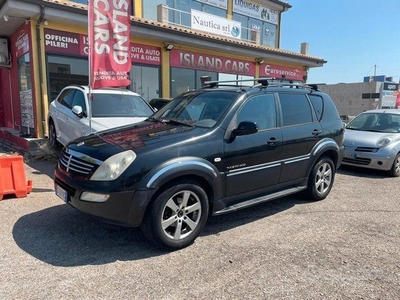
(53, 143)
(321, 179)
(395, 170)
(177, 216)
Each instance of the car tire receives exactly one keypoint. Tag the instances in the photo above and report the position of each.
(321, 179)
(177, 216)
(53, 143)
(395, 170)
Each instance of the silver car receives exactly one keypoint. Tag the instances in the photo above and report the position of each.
(372, 140)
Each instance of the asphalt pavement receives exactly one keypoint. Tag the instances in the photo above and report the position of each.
(344, 247)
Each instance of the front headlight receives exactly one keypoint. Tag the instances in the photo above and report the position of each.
(385, 141)
(114, 166)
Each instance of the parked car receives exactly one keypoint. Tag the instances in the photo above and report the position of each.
(372, 140)
(208, 152)
(157, 103)
(69, 113)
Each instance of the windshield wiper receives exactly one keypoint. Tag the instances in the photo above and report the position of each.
(153, 119)
(175, 122)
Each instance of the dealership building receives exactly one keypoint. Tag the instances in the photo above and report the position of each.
(44, 47)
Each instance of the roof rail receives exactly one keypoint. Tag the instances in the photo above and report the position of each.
(261, 82)
(313, 87)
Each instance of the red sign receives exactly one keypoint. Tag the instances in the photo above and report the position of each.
(22, 43)
(277, 71)
(197, 61)
(66, 42)
(145, 54)
(78, 44)
(109, 32)
(397, 94)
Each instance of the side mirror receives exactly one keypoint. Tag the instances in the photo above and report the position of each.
(244, 128)
(78, 110)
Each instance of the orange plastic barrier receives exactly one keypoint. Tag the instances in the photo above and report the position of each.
(12, 177)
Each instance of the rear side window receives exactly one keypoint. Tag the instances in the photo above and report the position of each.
(330, 111)
(318, 104)
(295, 109)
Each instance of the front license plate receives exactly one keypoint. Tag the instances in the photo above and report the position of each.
(60, 192)
(349, 155)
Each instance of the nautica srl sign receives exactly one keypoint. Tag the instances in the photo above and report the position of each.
(216, 25)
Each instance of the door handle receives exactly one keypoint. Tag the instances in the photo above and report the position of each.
(272, 141)
(316, 132)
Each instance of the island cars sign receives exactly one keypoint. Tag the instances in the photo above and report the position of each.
(200, 61)
(109, 35)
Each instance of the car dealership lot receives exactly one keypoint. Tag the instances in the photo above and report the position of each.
(344, 247)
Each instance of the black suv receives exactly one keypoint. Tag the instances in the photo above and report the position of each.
(209, 151)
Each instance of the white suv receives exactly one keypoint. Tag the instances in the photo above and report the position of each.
(69, 113)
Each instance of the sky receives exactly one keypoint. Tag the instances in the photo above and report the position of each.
(357, 38)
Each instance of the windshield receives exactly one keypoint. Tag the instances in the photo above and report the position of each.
(377, 122)
(203, 109)
(118, 105)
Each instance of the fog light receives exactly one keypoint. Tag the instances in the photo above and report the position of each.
(93, 197)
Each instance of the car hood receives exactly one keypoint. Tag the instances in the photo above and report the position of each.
(359, 138)
(99, 124)
(133, 137)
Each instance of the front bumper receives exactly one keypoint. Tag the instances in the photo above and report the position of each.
(379, 160)
(122, 207)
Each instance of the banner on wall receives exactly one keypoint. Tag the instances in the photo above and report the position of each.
(207, 62)
(278, 71)
(69, 43)
(109, 32)
(213, 24)
(22, 43)
(255, 10)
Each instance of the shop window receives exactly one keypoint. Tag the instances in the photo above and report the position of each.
(64, 71)
(233, 77)
(267, 32)
(150, 8)
(214, 10)
(145, 81)
(26, 96)
(246, 31)
(183, 80)
(212, 76)
(179, 12)
(269, 35)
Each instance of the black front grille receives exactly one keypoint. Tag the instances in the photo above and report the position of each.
(357, 161)
(78, 164)
(367, 149)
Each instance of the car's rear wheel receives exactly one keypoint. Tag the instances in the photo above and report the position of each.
(395, 170)
(53, 143)
(321, 179)
(177, 216)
